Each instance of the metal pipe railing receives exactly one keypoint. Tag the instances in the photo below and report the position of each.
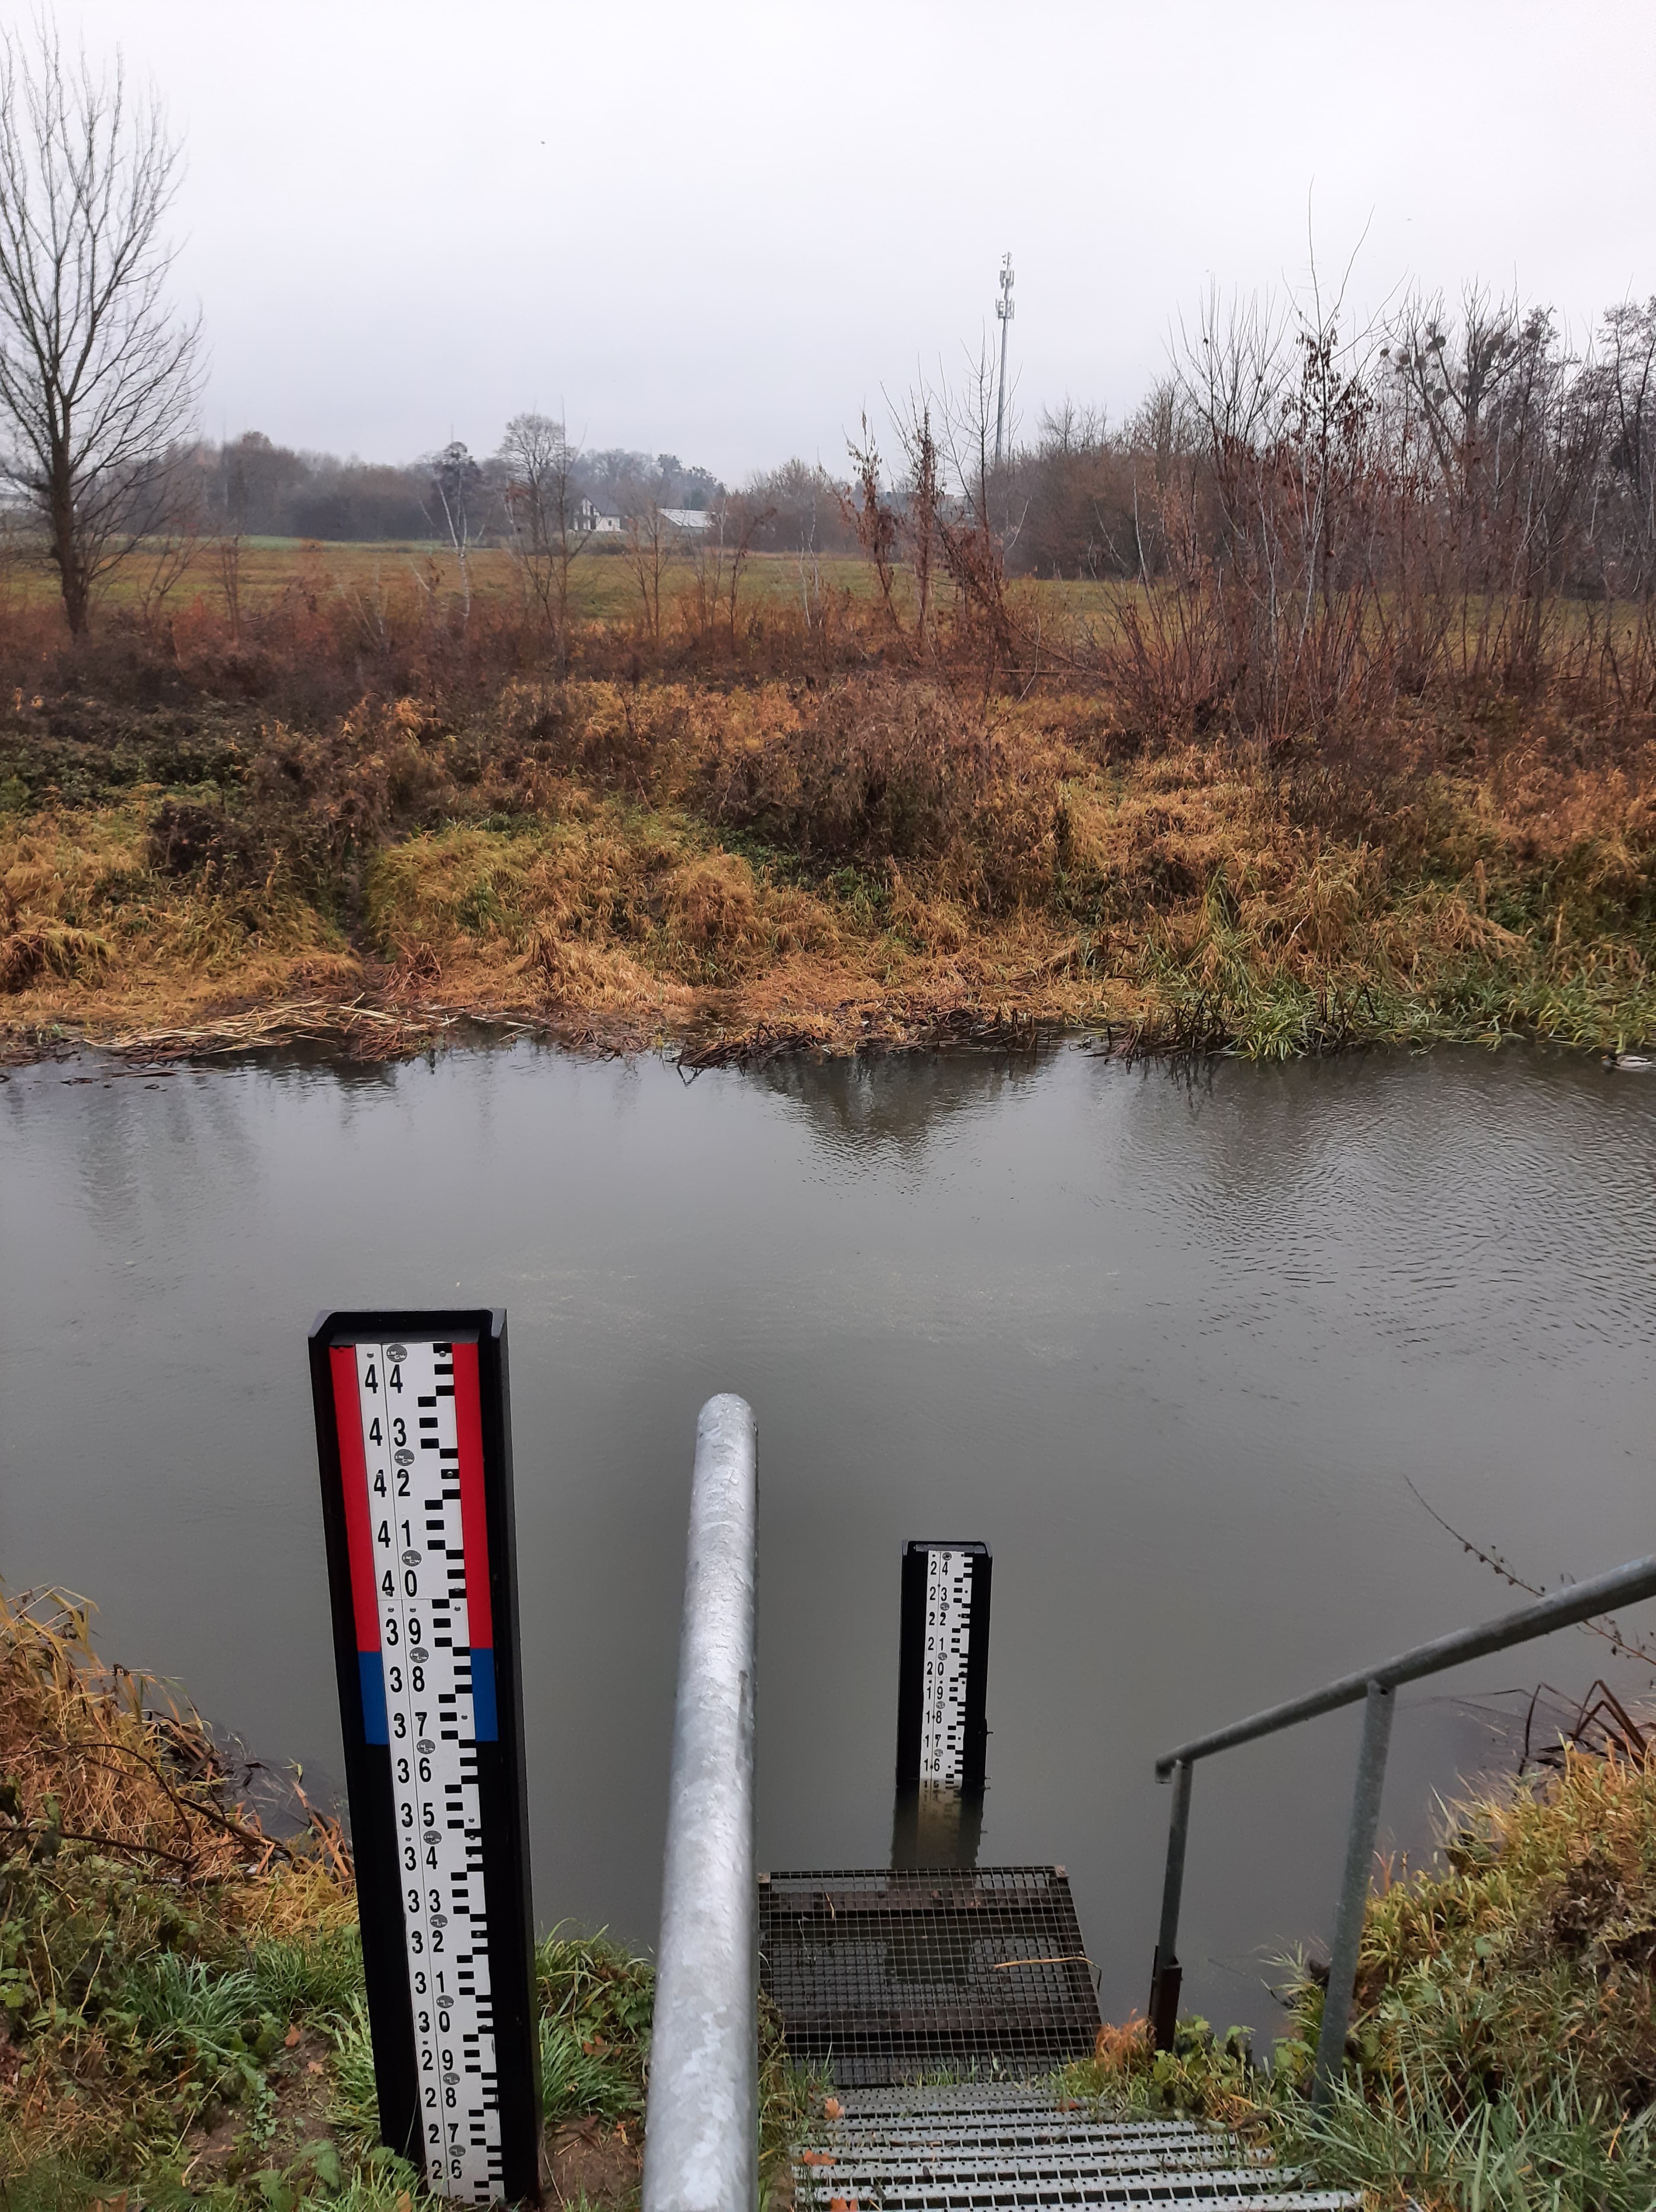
(701, 2125)
(1375, 1686)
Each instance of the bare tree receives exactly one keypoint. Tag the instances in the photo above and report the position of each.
(876, 523)
(98, 377)
(456, 486)
(233, 528)
(752, 522)
(540, 499)
(972, 541)
(719, 553)
(924, 510)
(1628, 375)
(170, 546)
(648, 530)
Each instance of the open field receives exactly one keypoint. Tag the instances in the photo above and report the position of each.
(273, 573)
(270, 570)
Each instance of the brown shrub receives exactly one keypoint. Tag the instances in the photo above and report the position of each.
(31, 950)
(109, 1756)
(880, 770)
(184, 838)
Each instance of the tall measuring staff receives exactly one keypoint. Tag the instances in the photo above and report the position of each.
(414, 1442)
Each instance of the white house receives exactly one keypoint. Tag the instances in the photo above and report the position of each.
(604, 521)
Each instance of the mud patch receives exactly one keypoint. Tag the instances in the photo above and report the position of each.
(300, 2081)
(590, 2162)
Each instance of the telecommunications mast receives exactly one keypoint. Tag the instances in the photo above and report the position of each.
(1005, 307)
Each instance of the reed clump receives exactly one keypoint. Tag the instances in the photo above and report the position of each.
(1502, 2051)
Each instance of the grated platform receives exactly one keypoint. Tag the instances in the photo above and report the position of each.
(883, 1977)
(981, 2145)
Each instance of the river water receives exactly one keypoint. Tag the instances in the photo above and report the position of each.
(1175, 1344)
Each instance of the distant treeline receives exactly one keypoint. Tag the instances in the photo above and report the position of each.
(252, 485)
(1268, 428)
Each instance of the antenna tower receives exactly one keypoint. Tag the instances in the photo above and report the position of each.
(1005, 307)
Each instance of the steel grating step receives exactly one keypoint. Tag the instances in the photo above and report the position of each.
(958, 2097)
(1061, 2122)
(944, 2188)
(950, 2097)
(1116, 2158)
(942, 2183)
(883, 1976)
(1114, 2152)
(1004, 2148)
(1116, 2148)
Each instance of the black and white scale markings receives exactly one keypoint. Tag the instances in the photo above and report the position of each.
(406, 1392)
(948, 1638)
(943, 1670)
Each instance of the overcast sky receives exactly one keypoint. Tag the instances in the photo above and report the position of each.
(721, 230)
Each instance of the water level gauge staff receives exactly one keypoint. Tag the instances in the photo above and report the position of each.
(414, 1444)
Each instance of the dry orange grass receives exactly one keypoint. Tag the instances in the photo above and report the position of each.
(879, 858)
(96, 1755)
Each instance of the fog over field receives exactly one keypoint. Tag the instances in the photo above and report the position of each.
(720, 231)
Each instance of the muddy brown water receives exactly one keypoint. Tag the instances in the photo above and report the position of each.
(1176, 1344)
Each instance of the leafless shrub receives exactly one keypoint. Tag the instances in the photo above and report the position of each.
(1331, 522)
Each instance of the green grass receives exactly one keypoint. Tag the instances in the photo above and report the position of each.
(320, 1976)
(191, 2036)
(595, 1999)
(1502, 2053)
(1226, 986)
(1557, 2149)
(356, 2102)
(1555, 2146)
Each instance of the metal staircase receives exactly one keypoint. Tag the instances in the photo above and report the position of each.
(882, 1977)
(996, 2145)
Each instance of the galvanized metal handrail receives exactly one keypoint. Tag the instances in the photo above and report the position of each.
(1377, 1688)
(701, 2126)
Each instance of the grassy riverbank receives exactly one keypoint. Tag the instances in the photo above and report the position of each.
(1505, 2033)
(875, 856)
(181, 2016)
